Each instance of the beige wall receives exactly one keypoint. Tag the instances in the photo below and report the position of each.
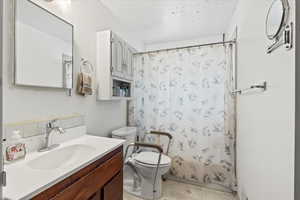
(23, 103)
(265, 144)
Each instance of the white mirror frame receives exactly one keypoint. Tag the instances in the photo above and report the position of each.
(284, 35)
(69, 90)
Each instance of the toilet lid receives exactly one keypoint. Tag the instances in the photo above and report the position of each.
(151, 158)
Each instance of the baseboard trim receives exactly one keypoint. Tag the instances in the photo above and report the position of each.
(210, 186)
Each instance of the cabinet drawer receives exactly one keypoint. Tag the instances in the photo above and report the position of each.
(114, 189)
(88, 185)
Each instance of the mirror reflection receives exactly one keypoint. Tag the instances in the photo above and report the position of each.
(275, 19)
(43, 49)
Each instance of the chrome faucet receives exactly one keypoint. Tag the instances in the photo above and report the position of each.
(51, 128)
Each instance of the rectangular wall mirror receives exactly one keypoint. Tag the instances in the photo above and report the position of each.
(43, 47)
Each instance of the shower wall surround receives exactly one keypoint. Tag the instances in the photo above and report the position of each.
(187, 92)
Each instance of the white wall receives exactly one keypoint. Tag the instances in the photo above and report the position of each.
(183, 43)
(265, 144)
(23, 103)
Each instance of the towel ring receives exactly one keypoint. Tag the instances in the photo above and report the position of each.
(86, 67)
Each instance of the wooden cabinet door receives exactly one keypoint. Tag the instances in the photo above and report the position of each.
(114, 189)
(88, 183)
(91, 183)
(96, 196)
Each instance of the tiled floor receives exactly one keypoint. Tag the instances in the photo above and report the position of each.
(179, 191)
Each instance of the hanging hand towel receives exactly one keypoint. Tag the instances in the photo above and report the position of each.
(84, 84)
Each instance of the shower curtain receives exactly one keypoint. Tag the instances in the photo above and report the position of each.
(187, 92)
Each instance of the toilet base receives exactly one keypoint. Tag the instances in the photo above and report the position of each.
(147, 190)
(143, 189)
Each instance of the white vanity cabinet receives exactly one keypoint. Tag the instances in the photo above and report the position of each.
(114, 67)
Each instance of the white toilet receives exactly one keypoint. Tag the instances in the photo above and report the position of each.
(128, 134)
(145, 163)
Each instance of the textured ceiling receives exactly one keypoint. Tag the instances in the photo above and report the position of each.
(168, 20)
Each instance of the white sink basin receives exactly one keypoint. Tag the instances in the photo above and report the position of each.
(61, 158)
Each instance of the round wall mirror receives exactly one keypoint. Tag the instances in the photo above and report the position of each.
(276, 19)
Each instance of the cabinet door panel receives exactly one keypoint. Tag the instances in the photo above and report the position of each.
(114, 56)
(120, 56)
(114, 189)
(127, 63)
(97, 196)
(63, 187)
(117, 56)
(130, 64)
(90, 184)
(121, 59)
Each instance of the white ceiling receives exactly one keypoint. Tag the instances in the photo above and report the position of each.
(172, 20)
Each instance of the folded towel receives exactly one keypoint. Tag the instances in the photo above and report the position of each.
(84, 84)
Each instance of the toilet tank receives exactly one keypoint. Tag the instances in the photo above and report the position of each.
(127, 133)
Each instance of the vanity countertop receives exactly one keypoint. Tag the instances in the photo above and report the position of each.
(25, 181)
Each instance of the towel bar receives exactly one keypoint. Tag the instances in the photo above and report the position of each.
(263, 87)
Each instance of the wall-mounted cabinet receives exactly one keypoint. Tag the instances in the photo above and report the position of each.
(121, 57)
(114, 67)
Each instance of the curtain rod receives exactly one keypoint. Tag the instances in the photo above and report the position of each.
(186, 47)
